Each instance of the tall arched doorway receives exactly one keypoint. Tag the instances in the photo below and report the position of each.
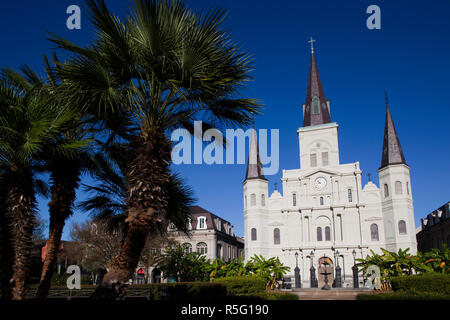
(325, 265)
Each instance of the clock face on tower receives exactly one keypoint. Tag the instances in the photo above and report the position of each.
(320, 183)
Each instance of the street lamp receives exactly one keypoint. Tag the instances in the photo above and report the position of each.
(297, 272)
(338, 280)
(312, 270)
(355, 271)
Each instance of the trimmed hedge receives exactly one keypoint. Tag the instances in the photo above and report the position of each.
(247, 285)
(401, 295)
(187, 290)
(437, 283)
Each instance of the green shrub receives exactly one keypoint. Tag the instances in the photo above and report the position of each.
(249, 285)
(281, 296)
(402, 295)
(184, 290)
(438, 283)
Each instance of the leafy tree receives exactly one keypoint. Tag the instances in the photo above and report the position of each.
(164, 66)
(177, 264)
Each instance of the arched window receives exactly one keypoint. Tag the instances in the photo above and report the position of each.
(327, 234)
(313, 159)
(350, 195)
(402, 227)
(319, 234)
(187, 247)
(202, 248)
(276, 236)
(253, 234)
(253, 199)
(321, 201)
(374, 232)
(386, 190)
(324, 158)
(263, 200)
(316, 105)
(294, 199)
(398, 187)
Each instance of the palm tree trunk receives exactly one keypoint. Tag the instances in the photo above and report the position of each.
(147, 177)
(48, 268)
(20, 204)
(6, 250)
(65, 174)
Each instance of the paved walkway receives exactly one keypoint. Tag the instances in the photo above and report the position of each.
(332, 294)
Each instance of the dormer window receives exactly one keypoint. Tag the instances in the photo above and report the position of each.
(189, 224)
(219, 224)
(201, 224)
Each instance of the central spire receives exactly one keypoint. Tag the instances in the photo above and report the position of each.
(315, 109)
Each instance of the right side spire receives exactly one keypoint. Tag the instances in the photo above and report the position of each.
(392, 150)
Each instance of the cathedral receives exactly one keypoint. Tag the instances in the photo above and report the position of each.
(324, 218)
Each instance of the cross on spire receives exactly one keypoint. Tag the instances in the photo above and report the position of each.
(311, 41)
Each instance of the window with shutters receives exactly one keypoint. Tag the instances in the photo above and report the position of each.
(276, 236)
(313, 159)
(402, 227)
(398, 187)
(327, 234)
(202, 248)
(386, 190)
(253, 234)
(253, 200)
(319, 234)
(374, 232)
(324, 158)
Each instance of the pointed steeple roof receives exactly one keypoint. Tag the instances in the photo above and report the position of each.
(312, 116)
(254, 166)
(392, 150)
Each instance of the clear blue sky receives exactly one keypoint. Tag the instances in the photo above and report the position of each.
(409, 57)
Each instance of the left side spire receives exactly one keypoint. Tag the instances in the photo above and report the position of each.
(254, 166)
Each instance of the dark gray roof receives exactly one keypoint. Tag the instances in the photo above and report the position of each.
(315, 89)
(211, 219)
(254, 166)
(437, 216)
(392, 150)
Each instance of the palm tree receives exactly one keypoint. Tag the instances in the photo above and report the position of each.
(107, 202)
(29, 120)
(166, 66)
(6, 250)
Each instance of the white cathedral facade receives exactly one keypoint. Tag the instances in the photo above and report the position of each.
(324, 212)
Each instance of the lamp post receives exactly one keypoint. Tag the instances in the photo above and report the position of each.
(312, 270)
(355, 271)
(338, 280)
(297, 272)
